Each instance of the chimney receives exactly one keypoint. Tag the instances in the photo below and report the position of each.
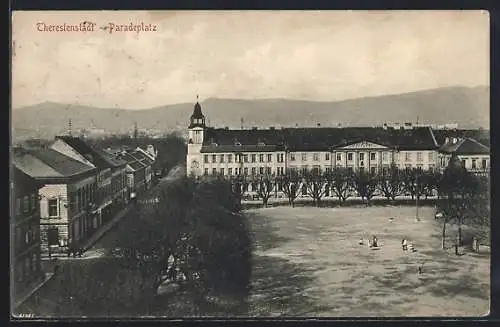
(272, 128)
(455, 140)
(226, 128)
(254, 128)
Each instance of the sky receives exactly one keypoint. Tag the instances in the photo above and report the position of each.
(307, 55)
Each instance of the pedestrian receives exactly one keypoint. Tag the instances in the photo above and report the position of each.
(456, 248)
(420, 270)
(374, 243)
(361, 241)
(405, 245)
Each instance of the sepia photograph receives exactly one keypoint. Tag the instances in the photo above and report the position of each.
(250, 164)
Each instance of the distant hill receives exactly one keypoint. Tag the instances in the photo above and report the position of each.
(469, 107)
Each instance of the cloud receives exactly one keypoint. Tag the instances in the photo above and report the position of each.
(308, 55)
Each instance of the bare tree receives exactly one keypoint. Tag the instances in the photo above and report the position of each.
(390, 182)
(290, 185)
(341, 182)
(413, 183)
(265, 185)
(315, 183)
(365, 185)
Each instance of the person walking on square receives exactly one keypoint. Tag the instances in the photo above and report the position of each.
(405, 245)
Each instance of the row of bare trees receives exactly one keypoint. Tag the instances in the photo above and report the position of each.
(340, 183)
(464, 199)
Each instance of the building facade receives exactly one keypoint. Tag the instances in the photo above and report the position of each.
(110, 179)
(473, 155)
(69, 188)
(276, 151)
(25, 230)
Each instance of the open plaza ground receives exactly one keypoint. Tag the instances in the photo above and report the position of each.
(308, 262)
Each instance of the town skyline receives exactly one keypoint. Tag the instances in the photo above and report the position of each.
(302, 56)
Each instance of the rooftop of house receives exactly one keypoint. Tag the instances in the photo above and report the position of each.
(465, 146)
(315, 139)
(98, 157)
(480, 135)
(22, 180)
(47, 163)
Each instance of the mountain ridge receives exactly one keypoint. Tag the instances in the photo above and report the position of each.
(467, 106)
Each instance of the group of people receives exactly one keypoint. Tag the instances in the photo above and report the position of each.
(372, 242)
(407, 246)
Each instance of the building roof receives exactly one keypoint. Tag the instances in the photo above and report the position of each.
(48, 164)
(136, 165)
(196, 116)
(465, 146)
(140, 156)
(146, 153)
(315, 139)
(98, 157)
(22, 180)
(480, 135)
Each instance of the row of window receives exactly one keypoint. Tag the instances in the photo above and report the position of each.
(474, 164)
(27, 204)
(303, 169)
(237, 171)
(315, 156)
(244, 158)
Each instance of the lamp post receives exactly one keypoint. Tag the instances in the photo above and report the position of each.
(417, 194)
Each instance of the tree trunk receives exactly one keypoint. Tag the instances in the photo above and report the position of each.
(443, 236)
(460, 232)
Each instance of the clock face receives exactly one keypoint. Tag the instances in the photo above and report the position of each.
(194, 164)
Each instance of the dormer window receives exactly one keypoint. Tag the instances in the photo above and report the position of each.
(260, 143)
(237, 143)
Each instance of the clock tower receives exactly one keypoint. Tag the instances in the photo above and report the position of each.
(196, 133)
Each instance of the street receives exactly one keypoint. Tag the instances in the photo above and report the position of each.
(42, 303)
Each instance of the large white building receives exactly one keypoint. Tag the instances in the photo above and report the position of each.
(275, 151)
